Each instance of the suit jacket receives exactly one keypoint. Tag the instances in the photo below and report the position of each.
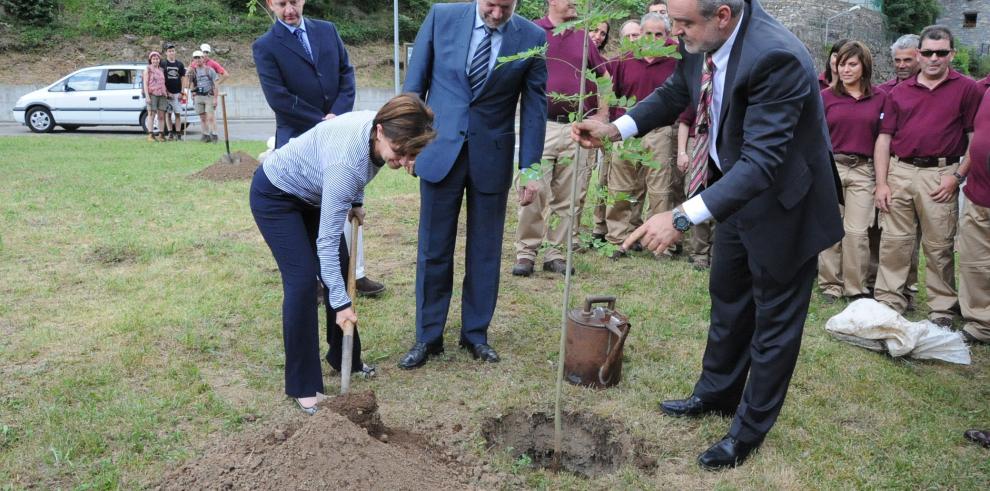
(302, 91)
(778, 182)
(437, 72)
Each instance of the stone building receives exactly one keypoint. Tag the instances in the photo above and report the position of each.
(969, 21)
(809, 20)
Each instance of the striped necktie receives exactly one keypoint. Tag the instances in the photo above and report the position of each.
(698, 171)
(302, 42)
(479, 64)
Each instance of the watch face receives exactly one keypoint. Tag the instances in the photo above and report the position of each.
(681, 223)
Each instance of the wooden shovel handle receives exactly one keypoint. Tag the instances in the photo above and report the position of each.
(352, 262)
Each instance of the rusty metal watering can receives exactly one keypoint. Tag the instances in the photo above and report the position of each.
(595, 337)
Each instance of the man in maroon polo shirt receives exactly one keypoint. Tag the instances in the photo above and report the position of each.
(904, 52)
(925, 129)
(564, 54)
(663, 186)
(974, 232)
(630, 30)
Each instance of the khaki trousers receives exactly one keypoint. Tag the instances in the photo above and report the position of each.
(843, 269)
(603, 167)
(554, 198)
(974, 270)
(910, 206)
(663, 187)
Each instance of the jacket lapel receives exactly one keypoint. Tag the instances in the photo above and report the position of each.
(730, 70)
(289, 41)
(510, 46)
(460, 36)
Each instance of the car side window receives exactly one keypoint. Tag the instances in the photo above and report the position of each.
(87, 80)
(138, 78)
(121, 79)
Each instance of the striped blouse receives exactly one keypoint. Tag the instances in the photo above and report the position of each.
(328, 168)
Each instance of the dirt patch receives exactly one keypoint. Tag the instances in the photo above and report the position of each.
(343, 446)
(111, 255)
(243, 167)
(591, 445)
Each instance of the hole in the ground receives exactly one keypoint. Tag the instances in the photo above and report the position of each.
(591, 445)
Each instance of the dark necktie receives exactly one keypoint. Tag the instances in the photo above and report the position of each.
(698, 171)
(479, 64)
(302, 42)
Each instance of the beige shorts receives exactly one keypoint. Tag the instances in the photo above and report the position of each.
(158, 103)
(204, 104)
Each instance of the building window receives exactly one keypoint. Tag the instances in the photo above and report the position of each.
(969, 19)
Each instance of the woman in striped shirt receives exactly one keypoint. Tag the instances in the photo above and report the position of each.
(301, 199)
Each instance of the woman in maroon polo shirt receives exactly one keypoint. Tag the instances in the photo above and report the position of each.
(853, 110)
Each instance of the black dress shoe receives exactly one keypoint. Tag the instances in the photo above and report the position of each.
(692, 406)
(418, 354)
(727, 453)
(483, 351)
(367, 287)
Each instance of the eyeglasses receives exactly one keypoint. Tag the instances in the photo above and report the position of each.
(941, 53)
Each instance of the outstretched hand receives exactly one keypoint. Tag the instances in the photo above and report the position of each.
(590, 133)
(656, 235)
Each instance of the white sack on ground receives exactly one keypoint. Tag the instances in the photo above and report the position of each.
(872, 325)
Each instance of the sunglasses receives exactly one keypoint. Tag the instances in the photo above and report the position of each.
(941, 53)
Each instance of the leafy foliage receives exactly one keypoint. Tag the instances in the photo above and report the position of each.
(905, 16)
(32, 12)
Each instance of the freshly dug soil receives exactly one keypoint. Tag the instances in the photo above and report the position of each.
(221, 171)
(590, 446)
(325, 451)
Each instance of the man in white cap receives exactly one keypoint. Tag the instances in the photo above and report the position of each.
(210, 62)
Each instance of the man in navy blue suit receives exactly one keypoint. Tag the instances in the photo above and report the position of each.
(306, 77)
(453, 68)
(304, 70)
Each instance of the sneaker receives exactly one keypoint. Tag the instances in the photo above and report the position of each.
(205, 138)
(702, 264)
(556, 266)
(830, 298)
(368, 371)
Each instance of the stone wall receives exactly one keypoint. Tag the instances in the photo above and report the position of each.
(977, 37)
(807, 20)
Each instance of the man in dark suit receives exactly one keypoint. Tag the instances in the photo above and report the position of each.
(306, 77)
(304, 70)
(453, 67)
(763, 169)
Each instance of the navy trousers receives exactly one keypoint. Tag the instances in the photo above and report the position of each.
(290, 227)
(440, 207)
(755, 335)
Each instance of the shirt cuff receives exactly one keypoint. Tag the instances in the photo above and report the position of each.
(696, 210)
(626, 125)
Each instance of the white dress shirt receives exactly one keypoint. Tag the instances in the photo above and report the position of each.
(695, 208)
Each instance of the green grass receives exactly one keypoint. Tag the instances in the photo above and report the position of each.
(139, 322)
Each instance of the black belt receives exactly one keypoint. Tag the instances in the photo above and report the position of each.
(926, 162)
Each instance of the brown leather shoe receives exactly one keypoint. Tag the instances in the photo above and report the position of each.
(556, 266)
(523, 267)
(368, 288)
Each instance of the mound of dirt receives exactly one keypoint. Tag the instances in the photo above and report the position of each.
(325, 451)
(243, 167)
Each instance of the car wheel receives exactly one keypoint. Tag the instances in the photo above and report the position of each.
(142, 118)
(69, 127)
(40, 120)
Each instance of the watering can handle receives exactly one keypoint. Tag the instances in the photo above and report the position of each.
(605, 371)
(593, 299)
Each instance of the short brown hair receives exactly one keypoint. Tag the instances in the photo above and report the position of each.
(408, 122)
(858, 50)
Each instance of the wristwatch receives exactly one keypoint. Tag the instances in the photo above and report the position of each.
(959, 177)
(681, 221)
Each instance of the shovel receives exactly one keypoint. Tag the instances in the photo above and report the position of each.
(347, 345)
(228, 158)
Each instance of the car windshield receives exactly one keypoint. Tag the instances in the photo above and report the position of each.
(87, 80)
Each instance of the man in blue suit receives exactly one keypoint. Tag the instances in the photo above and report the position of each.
(304, 70)
(453, 69)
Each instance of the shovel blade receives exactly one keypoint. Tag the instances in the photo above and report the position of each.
(346, 358)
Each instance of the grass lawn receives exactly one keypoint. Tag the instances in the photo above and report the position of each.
(140, 320)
